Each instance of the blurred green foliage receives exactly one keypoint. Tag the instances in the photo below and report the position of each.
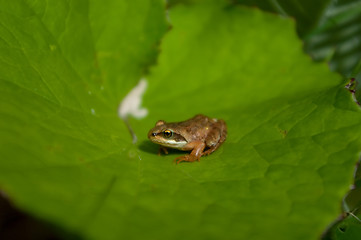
(330, 29)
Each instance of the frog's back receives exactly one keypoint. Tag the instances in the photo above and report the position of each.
(195, 128)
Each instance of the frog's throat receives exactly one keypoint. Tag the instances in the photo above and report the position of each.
(172, 143)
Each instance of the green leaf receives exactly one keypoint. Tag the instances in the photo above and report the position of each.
(293, 130)
(64, 68)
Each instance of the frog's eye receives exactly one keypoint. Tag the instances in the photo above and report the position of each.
(168, 133)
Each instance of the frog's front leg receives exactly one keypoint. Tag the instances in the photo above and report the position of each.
(162, 149)
(195, 155)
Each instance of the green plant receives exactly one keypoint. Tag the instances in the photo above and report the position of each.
(68, 158)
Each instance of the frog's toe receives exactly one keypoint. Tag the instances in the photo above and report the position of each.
(186, 158)
(180, 159)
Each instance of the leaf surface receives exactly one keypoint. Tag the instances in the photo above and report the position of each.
(292, 127)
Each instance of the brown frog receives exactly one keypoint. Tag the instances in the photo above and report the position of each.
(201, 135)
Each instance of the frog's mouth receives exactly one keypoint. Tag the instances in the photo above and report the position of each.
(171, 143)
(176, 141)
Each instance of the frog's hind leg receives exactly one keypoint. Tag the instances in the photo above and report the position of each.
(214, 143)
(212, 149)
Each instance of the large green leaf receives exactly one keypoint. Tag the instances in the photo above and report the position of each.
(64, 68)
(293, 130)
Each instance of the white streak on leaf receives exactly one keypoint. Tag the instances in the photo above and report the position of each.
(131, 106)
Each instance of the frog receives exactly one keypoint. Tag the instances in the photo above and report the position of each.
(201, 135)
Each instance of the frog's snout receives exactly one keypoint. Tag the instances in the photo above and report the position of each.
(151, 134)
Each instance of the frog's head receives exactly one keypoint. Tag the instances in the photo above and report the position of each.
(166, 135)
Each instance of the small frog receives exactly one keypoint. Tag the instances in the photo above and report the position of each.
(201, 135)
